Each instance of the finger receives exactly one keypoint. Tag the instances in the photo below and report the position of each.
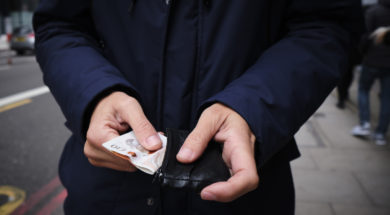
(244, 178)
(119, 124)
(147, 136)
(239, 184)
(100, 158)
(196, 142)
(99, 134)
(114, 166)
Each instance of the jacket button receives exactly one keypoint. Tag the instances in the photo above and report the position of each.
(150, 201)
(167, 2)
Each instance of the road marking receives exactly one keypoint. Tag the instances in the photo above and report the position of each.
(53, 204)
(15, 105)
(23, 95)
(38, 196)
(16, 197)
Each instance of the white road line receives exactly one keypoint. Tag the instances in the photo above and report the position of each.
(28, 94)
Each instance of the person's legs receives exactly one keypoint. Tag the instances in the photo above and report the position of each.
(384, 116)
(366, 80)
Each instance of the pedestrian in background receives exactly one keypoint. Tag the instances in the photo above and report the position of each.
(376, 65)
(246, 73)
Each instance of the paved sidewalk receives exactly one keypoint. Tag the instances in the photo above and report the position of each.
(338, 174)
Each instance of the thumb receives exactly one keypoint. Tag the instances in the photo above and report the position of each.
(146, 135)
(209, 123)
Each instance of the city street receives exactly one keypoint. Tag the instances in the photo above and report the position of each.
(32, 136)
(337, 174)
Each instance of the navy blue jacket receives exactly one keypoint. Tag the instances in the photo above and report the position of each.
(272, 61)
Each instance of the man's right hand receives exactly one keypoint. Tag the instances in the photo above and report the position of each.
(113, 115)
(379, 34)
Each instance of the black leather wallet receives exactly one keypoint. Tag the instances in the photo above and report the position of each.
(208, 169)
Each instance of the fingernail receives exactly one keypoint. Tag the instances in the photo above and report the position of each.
(208, 196)
(153, 141)
(185, 154)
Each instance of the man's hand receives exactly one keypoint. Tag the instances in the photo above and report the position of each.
(379, 34)
(112, 116)
(227, 127)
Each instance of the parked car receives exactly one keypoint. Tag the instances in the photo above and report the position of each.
(22, 40)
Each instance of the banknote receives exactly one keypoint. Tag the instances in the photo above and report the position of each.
(127, 147)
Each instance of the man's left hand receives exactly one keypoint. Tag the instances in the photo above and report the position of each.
(228, 127)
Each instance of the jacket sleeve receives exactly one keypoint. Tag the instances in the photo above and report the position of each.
(71, 59)
(293, 77)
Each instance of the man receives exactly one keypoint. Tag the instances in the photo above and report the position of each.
(246, 73)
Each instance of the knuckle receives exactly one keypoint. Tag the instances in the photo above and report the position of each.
(125, 104)
(144, 125)
(130, 101)
(87, 150)
(252, 138)
(254, 182)
(215, 116)
(90, 136)
(94, 162)
(213, 111)
(194, 140)
(228, 198)
(121, 106)
(93, 135)
(93, 139)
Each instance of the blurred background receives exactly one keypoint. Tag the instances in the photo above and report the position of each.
(337, 174)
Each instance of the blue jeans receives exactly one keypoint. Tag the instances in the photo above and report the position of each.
(367, 78)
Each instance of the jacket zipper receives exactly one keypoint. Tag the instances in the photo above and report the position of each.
(161, 84)
(197, 69)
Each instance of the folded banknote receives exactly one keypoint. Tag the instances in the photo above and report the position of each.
(127, 147)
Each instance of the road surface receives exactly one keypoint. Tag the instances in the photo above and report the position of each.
(32, 135)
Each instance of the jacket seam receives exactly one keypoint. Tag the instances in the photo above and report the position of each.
(197, 69)
(161, 93)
